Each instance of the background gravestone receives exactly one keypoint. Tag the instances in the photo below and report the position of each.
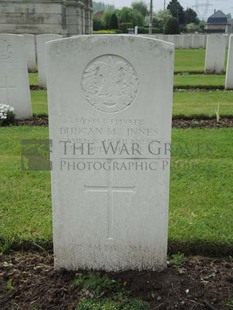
(30, 47)
(110, 109)
(215, 53)
(14, 83)
(198, 41)
(40, 48)
(229, 71)
(186, 41)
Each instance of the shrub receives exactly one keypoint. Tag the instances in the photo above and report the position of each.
(172, 26)
(106, 31)
(124, 27)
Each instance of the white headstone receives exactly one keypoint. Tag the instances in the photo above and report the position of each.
(110, 111)
(30, 47)
(215, 54)
(198, 41)
(14, 83)
(40, 48)
(227, 39)
(187, 41)
(229, 72)
(176, 39)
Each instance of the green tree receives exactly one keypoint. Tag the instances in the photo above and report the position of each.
(172, 26)
(191, 17)
(177, 11)
(107, 18)
(201, 26)
(113, 22)
(129, 15)
(98, 23)
(160, 19)
(141, 7)
(192, 27)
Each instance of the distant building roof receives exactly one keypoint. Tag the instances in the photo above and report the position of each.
(218, 18)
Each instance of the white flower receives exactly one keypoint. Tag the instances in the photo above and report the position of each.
(4, 110)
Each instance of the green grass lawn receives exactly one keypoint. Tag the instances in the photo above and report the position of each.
(201, 186)
(198, 80)
(189, 60)
(199, 104)
(33, 78)
(186, 60)
(186, 103)
(201, 198)
(39, 102)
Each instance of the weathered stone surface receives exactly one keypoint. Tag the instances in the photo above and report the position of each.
(176, 39)
(215, 54)
(186, 41)
(30, 47)
(41, 61)
(229, 72)
(198, 41)
(45, 16)
(14, 84)
(110, 111)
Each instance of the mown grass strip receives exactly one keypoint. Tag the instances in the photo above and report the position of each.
(199, 80)
(202, 104)
(189, 60)
(201, 197)
(185, 104)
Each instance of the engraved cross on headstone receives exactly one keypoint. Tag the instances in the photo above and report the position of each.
(110, 189)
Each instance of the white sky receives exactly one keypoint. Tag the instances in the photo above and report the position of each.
(225, 5)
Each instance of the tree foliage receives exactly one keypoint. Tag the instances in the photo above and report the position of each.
(141, 7)
(191, 17)
(113, 22)
(129, 15)
(98, 23)
(177, 11)
(160, 19)
(172, 26)
(107, 18)
(192, 27)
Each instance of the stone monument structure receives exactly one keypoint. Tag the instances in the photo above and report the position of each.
(67, 17)
(110, 113)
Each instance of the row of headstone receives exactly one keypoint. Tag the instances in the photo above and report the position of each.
(17, 57)
(36, 56)
(35, 47)
(215, 50)
(14, 81)
(188, 41)
(41, 61)
(215, 58)
(14, 85)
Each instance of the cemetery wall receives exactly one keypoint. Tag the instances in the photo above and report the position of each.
(45, 16)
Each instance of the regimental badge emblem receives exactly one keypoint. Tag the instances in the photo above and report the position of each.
(5, 49)
(110, 83)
